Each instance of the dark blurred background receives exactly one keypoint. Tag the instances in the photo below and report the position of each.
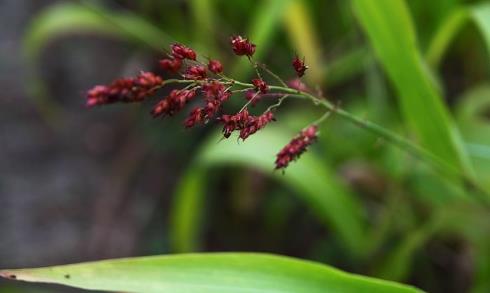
(80, 184)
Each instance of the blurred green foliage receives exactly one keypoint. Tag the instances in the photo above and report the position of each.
(391, 61)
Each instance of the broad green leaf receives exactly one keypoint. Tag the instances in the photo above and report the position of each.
(213, 273)
(299, 26)
(454, 22)
(313, 182)
(388, 26)
(66, 18)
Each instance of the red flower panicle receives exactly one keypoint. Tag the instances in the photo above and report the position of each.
(296, 147)
(125, 90)
(172, 65)
(196, 72)
(215, 66)
(173, 103)
(260, 85)
(180, 51)
(299, 66)
(242, 46)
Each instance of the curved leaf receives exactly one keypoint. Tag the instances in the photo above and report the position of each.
(453, 23)
(213, 273)
(330, 200)
(66, 18)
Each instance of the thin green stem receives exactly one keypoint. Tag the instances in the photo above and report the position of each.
(279, 79)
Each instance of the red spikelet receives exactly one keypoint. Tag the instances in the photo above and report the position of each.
(296, 147)
(242, 46)
(173, 103)
(299, 66)
(180, 51)
(124, 90)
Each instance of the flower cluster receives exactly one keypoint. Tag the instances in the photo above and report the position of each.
(207, 81)
(296, 147)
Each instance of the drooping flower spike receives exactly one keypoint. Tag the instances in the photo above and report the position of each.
(296, 147)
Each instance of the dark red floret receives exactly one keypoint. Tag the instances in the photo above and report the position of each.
(196, 72)
(215, 66)
(299, 66)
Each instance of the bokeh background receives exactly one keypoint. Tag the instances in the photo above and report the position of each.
(82, 184)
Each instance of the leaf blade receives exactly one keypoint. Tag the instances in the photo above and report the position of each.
(212, 272)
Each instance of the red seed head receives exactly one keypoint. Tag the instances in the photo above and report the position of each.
(260, 85)
(172, 65)
(242, 46)
(215, 66)
(180, 51)
(299, 66)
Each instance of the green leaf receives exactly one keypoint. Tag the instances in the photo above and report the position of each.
(388, 26)
(213, 273)
(204, 26)
(188, 202)
(312, 180)
(67, 18)
(452, 25)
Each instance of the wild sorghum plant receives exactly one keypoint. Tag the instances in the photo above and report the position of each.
(207, 81)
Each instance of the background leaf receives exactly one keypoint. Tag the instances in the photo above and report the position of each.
(388, 26)
(313, 181)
